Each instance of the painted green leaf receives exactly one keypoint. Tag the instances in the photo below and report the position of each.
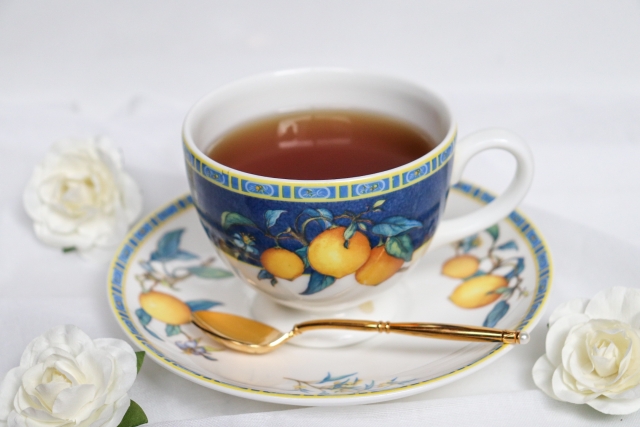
(503, 290)
(202, 304)
(469, 243)
(134, 416)
(232, 218)
(400, 247)
(494, 231)
(184, 255)
(509, 245)
(139, 359)
(264, 274)
(497, 312)
(302, 253)
(519, 267)
(318, 282)
(271, 216)
(394, 226)
(172, 330)
(329, 378)
(153, 334)
(143, 316)
(378, 203)
(168, 246)
(326, 214)
(349, 232)
(362, 226)
(209, 272)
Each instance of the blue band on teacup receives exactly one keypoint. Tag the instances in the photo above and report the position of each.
(358, 188)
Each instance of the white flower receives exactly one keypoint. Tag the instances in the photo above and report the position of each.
(80, 197)
(593, 352)
(65, 378)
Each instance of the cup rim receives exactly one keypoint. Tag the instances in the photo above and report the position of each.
(441, 147)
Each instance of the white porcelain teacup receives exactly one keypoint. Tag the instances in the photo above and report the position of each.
(242, 213)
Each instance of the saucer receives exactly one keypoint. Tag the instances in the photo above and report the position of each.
(166, 268)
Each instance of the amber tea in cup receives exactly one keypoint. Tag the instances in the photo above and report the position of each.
(320, 145)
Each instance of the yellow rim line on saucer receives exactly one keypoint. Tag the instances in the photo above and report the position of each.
(178, 369)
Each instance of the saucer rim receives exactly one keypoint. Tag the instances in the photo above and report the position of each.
(134, 240)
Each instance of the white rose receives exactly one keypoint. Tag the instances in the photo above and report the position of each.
(593, 352)
(80, 197)
(65, 378)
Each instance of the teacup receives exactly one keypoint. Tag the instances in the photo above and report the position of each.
(402, 207)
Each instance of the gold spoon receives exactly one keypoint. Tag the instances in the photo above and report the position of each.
(251, 336)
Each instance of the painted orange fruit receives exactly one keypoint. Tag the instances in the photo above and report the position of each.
(165, 308)
(328, 256)
(379, 267)
(478, 291)
(461, 266)
(282, 263)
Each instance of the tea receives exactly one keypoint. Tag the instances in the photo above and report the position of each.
(320, 144)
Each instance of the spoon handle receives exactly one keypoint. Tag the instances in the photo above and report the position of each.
(431, 330)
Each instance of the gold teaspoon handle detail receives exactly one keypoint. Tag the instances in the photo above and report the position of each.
(431, 330)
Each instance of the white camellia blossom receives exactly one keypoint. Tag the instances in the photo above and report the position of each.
(593, 352)
(67, 379)
(80, 197)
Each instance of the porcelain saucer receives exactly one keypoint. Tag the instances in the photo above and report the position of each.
(166, 268)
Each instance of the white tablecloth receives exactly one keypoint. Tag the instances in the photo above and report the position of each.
(564, 75)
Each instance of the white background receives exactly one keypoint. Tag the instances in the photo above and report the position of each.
(565, 75)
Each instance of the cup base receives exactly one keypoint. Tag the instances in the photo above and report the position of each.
(283, 318)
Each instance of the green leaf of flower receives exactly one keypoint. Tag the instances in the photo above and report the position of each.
(134, 416)
(139, 359)
(378, 203)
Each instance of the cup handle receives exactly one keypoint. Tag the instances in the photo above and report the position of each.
(454, 229)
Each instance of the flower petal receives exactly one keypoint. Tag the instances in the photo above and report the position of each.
(542, 374)
(116, 412)
(67, 337)
(576, 306)
(71, 400)
(126, 366)
(558, 333)
(615, 406)
(8, 390)
(617, 303)
(564, 392)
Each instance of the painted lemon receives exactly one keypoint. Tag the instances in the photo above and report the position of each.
(460, 266)
(282, 263)
(165, 308)
(328, 256)
(379, 267)
(478, 291)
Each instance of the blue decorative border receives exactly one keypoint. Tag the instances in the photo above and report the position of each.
(147, 226)
(356, 188)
